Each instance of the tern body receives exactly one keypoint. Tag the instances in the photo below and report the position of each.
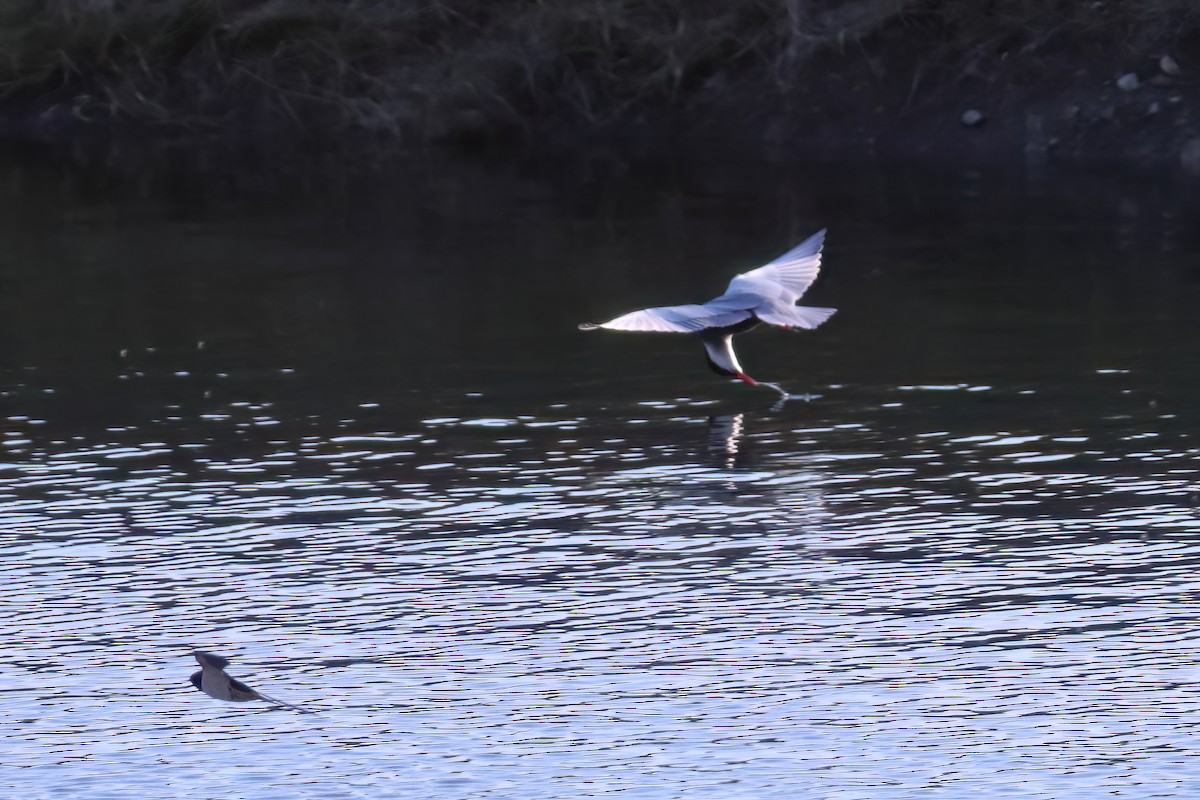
(768, 294)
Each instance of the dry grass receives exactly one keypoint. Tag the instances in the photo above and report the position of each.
(428, 68)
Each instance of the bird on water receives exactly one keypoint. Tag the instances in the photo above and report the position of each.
(767, 294)
(214, 682)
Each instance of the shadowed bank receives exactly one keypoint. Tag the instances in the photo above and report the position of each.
(857, 77)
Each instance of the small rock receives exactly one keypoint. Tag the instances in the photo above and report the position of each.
(716, 83)
(1035, 138)
(1169, 66)
(1153, 108)
(1128, 82)
(1189, 157)
(973, 118)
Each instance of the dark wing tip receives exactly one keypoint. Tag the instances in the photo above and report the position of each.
(210, 660)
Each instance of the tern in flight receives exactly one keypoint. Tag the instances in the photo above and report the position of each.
(767, 294)
(214, 682)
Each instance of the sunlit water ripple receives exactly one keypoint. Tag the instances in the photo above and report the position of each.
(598, 609)
(895, 590)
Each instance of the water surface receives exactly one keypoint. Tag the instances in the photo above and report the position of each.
(346, 433)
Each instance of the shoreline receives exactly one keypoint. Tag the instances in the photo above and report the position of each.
(855, 79)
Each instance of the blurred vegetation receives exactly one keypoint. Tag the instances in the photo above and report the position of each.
(435, 68)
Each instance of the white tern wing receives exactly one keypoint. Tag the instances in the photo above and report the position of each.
(789, 316)
(787, 277)
(674, 319)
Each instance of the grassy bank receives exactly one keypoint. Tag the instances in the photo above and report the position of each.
(454, 69)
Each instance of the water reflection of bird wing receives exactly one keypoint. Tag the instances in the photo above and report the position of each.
(701, 496)
(725, 436)
(726, 440)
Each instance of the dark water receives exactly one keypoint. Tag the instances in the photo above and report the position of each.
(344, 431)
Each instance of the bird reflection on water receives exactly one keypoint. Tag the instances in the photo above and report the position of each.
(725, 437)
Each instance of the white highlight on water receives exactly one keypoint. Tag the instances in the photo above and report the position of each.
(784, 395)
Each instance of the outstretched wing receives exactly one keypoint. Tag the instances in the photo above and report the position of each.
(787, 316)
(673, 319)
(790, 275)
(210, 660)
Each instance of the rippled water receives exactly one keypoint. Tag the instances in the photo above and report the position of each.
(347, 435)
